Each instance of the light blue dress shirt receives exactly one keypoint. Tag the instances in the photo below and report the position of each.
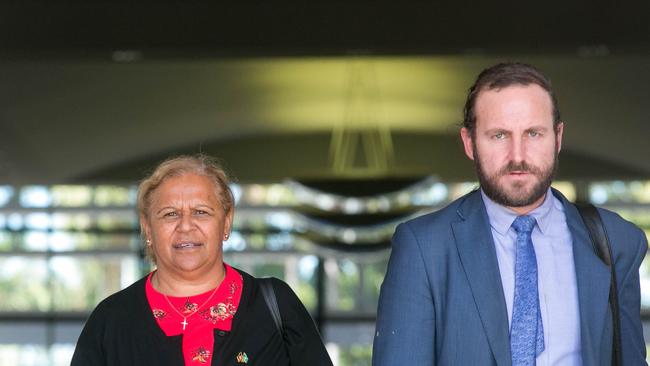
(558, 292)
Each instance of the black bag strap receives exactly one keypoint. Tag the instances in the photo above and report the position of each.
(600, 241)
(272, 303)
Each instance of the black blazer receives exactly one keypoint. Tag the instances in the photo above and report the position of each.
(122, 331)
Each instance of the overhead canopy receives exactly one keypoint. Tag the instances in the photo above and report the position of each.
(103, 90)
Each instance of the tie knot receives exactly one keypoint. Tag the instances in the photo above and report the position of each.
(524, 224)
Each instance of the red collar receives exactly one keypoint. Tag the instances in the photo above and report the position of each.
(197, 316)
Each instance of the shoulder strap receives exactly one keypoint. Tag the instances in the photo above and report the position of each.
(600, 241)
(271, 302)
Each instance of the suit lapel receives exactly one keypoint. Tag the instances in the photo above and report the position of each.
(478, 257)
(593, 281)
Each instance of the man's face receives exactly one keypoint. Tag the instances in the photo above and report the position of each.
(514, 146)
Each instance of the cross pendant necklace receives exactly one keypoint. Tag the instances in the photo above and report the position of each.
(184, 323)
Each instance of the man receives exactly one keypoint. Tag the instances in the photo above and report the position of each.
(507, 275)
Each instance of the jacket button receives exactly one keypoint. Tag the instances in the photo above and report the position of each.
(221, 333)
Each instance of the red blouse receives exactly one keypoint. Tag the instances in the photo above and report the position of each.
(197, 316)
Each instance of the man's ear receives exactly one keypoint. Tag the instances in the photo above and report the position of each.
(559, 130)
(466, 136)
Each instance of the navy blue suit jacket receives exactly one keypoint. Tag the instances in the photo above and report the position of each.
(442, 301)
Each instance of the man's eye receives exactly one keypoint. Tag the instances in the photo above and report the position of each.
(499, 136)
(170, 214)
(533, 133)
(200, 212)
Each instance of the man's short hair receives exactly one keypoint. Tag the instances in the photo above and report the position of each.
(501, 76)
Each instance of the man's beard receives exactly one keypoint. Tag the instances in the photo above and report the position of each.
(519, 197)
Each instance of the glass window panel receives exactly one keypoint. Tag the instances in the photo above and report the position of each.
(79, 283)
(352, 205)
(71, 196)
(5, 241)
(644, 273)
(67, 332)
(342, 284)
(254, 194)
(269, 269)
(37, 221)
(61, 354)
(568, 189)
(640, 217)
(62, 241)
(349, 344)
(378, 204)
(236, 242)
(23, 284)
(14, 221)
(256, 241)
(117, 220)
(373, 273)
(281, 241)
(302, 276)
(23, 355)
(34, 241)
(35, 196)
(279, 195)
(72, 221)
(433, 194)
(14, 332)
(646, 336)
(353, 354)
(620, 191)
(352, 284)
(133, 195)
(236, 192)
(6, 192)
(598, 193)
(457, 190)
(81, 241)
(112, 196)
(299, 273)
(280, 220)
(67, 241)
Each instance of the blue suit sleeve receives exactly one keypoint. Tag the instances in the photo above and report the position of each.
(632, 343)
(405, 332)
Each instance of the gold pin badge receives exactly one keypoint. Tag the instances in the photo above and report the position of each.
(242, 358)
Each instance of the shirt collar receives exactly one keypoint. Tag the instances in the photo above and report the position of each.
(501, 217)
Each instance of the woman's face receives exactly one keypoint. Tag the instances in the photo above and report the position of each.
(186, 225)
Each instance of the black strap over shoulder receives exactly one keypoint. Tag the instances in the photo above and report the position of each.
(602, 247)
(271, 302)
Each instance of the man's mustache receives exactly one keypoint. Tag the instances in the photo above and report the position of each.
(519, 167)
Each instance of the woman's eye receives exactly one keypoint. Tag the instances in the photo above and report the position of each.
(170, 214)
(200, 212)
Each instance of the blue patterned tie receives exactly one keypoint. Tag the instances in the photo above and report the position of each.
(526, 330)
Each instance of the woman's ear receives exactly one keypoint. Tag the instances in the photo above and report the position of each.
(145, 229)
(227, 226)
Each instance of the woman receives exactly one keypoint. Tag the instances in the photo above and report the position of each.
(194, 309)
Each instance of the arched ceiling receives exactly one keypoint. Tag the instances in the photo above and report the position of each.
(82, 96)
